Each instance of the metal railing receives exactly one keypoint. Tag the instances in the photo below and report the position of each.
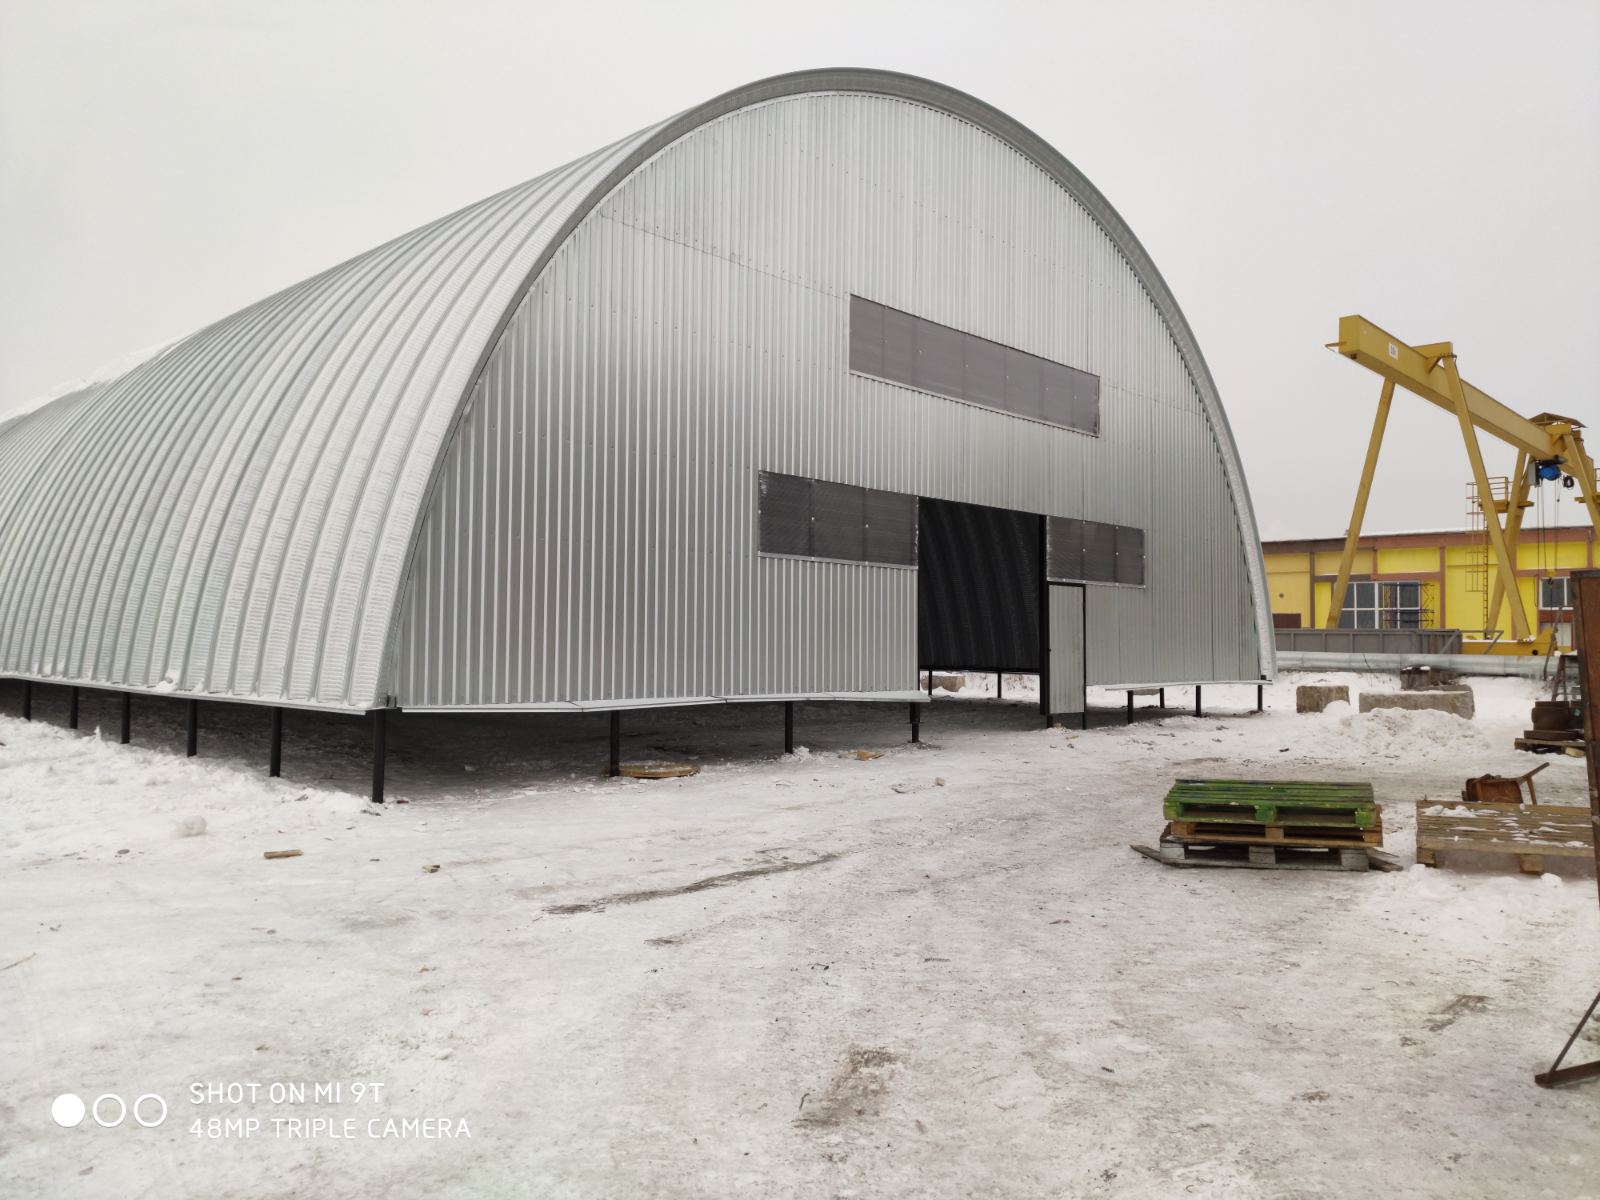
(1370, 641)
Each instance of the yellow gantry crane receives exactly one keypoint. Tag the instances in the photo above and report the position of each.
(1548, 447)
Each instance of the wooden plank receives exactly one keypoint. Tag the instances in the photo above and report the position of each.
(1528, 832)
(1160, 857)
(1262, 857)
(1284, 835)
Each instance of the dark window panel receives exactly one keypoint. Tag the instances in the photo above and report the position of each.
(785, 514)
(1099, 552)
(891, 528)
(866, 336)
(1065, 552)
(899, 346)
(941, 359)
(838, 521)
(1085, 414)
(1130, 555)
(986, 373)
(1025, 385)
(923, 354)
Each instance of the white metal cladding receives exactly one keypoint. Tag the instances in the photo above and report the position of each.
(592, 538)
(234, 517)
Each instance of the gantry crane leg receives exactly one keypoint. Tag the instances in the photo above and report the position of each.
(1491, 518)
(1573, 448)
(1359, 513)
(1519, 498)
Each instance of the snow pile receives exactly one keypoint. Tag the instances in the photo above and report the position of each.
(1397, 733)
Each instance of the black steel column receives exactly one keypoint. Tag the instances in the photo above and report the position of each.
(1161, 697)
(1130, 706)
(999, 686)
(615, 767)
(193, 722)
(27, 699)
(1197, 699)
(126, 734)
(380, 730)
(930, 683)
(1261, 700)
(916, 722)
(275, 751)
(788, 726)
(72, 709)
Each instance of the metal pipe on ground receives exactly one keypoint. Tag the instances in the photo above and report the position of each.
(1529, 666)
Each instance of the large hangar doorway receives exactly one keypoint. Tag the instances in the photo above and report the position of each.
(980, 574)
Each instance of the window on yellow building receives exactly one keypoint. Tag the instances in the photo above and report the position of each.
(1377, 605)
(1554, 592)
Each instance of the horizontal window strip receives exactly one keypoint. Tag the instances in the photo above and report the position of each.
(1094, 552)
(815, 518)
(901, 348)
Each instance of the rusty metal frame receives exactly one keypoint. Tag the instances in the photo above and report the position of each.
(1586, 638)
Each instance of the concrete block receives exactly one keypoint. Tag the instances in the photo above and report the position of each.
(1457, 700)
(1314, 697)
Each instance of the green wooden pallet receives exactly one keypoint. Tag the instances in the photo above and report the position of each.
(1273, 802)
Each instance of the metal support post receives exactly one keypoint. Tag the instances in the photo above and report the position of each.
(27, 699)
(193, 728)
(1519, 497)
(275, 750)
(380, 747)
(125, 735)
(72, 708)
(1261, 697)
(1197, 699)
(1359, 513)
(1161, 697)
(1130, 706)
(615, 766)
(916, 722)
(999, 686)
(1491, 518)
(788, 726)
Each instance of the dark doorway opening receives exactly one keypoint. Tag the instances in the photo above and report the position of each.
(980, 574)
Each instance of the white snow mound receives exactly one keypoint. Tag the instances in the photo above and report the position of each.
(1395, 733)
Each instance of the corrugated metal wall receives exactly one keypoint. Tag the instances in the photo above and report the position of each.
(592, 535)
(234, 517)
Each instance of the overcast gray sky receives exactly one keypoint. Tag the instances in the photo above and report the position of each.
(1433, 166)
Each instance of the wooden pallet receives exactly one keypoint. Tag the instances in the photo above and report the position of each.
(1527, 832)
(1245, 833)
(1537, 741)
(1272, 802)
(1262, 858)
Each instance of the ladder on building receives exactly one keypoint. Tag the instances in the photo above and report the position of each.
(1479, 551)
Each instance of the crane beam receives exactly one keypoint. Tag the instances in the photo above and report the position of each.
(1421, 371)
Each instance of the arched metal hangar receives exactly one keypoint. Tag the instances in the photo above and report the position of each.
(835, 376)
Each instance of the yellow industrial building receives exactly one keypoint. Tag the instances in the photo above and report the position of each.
(1434, 580)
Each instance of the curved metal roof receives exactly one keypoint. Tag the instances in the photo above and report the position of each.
(236, 516)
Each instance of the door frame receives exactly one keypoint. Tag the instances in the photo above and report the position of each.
(1046, 649)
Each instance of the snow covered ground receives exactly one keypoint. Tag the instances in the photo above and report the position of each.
(941, 972)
